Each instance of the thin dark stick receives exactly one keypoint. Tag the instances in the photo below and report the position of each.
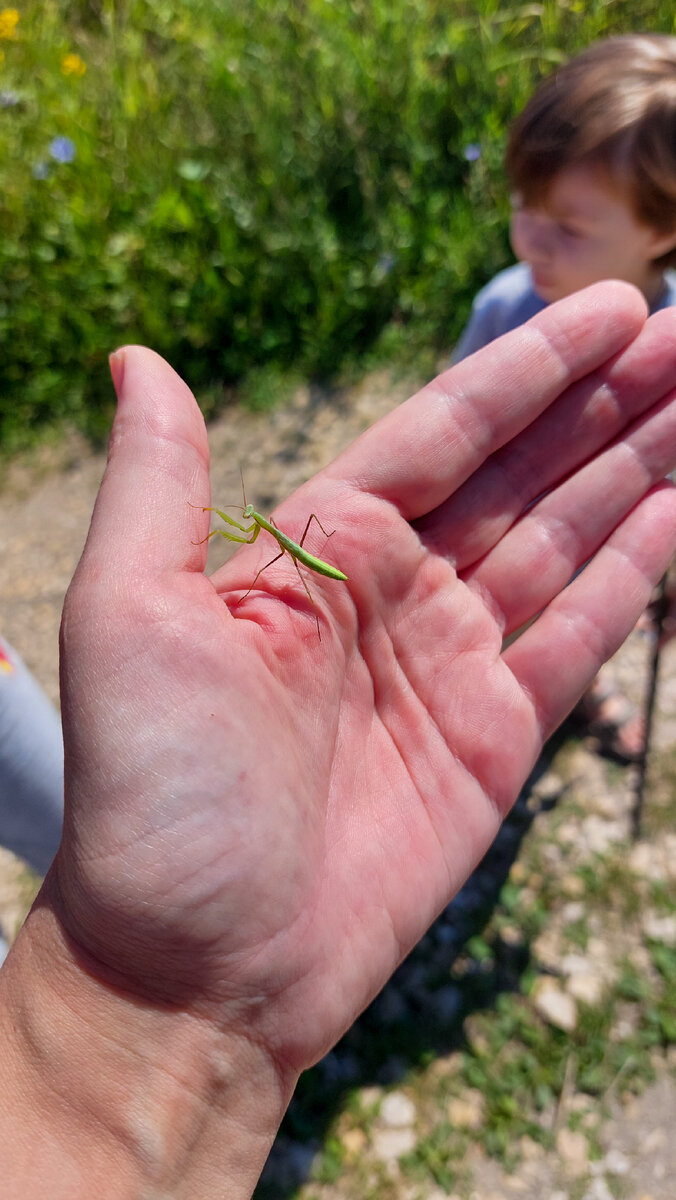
(660, 610)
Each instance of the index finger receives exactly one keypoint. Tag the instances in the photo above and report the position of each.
(424, 450)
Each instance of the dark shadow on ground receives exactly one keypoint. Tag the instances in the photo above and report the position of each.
(420, 1013)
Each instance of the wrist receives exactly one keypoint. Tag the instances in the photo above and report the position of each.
(108, 1094)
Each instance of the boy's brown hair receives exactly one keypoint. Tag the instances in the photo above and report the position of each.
(613, 106)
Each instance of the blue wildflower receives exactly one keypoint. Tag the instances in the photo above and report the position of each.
(62, 149)
(40, 170)
(385, 263)
(472, 152)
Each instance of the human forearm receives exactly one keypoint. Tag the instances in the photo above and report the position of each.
(108, 1095)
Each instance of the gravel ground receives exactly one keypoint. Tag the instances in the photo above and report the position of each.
(45, 505)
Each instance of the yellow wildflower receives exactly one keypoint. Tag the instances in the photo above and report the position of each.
(9, 19)
(72, 64)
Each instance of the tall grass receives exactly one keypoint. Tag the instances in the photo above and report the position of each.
(250, 184)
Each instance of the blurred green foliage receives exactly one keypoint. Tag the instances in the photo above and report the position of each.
(254, 185)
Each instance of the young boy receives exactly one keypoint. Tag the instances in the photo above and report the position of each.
(592, 163)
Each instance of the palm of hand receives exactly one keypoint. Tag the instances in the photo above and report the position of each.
(310, 812)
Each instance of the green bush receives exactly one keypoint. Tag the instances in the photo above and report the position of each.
(251, 185)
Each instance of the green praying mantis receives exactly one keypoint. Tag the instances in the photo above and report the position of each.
(295, 550)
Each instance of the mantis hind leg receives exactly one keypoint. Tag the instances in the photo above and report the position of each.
(300, 576)
(268, 564)
(309, 593)
(314, 517)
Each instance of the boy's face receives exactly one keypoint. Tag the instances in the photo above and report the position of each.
(584, 230)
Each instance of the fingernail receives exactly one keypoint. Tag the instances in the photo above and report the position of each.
(116, 363)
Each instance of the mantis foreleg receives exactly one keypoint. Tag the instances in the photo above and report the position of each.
(254, 529)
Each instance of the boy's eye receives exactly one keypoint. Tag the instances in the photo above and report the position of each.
(569, 231)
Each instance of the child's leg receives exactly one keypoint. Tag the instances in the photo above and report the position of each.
(612, 720)
(31, 765)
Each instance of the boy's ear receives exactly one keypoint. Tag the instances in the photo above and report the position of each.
(662, 243)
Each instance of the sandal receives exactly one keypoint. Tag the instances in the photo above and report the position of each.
(613, 723)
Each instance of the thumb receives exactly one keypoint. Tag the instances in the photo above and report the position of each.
(158, 465)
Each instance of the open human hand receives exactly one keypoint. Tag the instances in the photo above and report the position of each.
(259, 823)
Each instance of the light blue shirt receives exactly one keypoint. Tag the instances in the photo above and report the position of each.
(509, 300)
